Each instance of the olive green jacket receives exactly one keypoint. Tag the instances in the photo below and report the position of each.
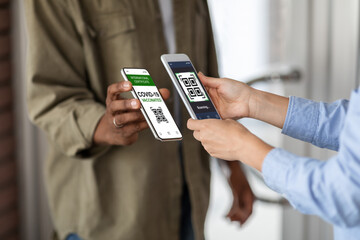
(76, 49)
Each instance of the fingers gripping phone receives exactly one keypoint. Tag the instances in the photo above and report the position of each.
(153, 106)
(189, 87)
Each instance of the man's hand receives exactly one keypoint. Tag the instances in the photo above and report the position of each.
(231, 98)
(125, 113)
(229, 140)
(243, 196)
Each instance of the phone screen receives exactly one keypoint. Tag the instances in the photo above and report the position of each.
(193, 89)
(153, 104)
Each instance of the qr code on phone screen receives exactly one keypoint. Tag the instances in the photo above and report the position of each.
(159, 114)
(192, 87)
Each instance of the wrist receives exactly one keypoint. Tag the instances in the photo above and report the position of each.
(255, 102)
(253, 151)
(101, 134)
(268, 107)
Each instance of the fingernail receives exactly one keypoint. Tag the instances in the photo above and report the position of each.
(134, 103)
(126, 84)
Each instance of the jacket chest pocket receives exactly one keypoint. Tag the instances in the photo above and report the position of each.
(111, 25)
(116, 40)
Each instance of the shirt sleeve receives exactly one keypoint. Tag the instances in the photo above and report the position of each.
(59, 98)
(329, 189)
(318, 123)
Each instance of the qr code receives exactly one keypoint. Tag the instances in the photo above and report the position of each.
(159, 114)
(192, 87)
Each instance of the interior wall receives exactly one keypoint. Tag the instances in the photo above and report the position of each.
(9, 217)
(35, 219)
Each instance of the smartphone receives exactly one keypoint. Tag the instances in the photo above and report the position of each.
(153, 106)
(189, 87)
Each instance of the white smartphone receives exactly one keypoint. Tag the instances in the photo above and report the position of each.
(153, 106)
(188, 85)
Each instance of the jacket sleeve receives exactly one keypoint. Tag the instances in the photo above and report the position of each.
(316, 122)
(59, 99)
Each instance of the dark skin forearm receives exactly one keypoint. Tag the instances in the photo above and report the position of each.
(243, 196)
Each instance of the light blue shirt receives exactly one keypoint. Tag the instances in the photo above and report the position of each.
(329, 189)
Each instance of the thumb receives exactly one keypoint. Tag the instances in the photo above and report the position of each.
(209, 82)
(165, 93)
(193, 124)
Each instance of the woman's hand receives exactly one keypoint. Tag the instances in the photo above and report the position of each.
(123, 119)
(232, 98)
(229, 140)
(236, 100)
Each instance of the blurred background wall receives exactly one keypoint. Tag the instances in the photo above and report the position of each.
(254, 39)
(31, 144)
(9, 216)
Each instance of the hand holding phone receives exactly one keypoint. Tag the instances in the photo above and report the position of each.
(232, 98)
(125, 113)
(189, 87)
(153, 106)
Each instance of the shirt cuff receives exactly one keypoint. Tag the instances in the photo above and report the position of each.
(275, 169)
(301, 119)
